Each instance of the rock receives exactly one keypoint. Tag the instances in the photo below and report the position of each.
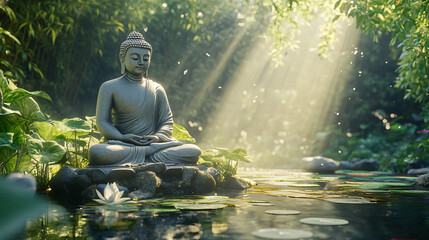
(139, 195)
(79, 183)
(418, 172)
(344, 165)
(147, 182)
(27, 182)
(320, 164)
(423, 180)
(97, 176)
(118, 174)
(158, 168)
(203, 182)
(61, 182)
(89, 193)
(365, 165)
(173, 172)
(235, 183)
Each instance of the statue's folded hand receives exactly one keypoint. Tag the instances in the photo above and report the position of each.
(135, 139)
(154, 138)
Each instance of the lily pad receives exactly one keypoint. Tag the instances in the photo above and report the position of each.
(158, 210)
(263, 204)
(282, 233)
(282, 212)
(324, 221)
(119, 208)
(184, 206)
(348, 200)
(409, 191)
(304, 185)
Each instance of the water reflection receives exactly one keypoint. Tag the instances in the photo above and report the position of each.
(388, 214)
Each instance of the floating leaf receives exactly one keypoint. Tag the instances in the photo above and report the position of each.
(281, 233)
(184, 206)
(119, 208)
(159, 210)
(348, 200)
(282, 212)
(304, 185)
(324, 221)
(409, 191)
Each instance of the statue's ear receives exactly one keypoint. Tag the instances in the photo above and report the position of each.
(122, 64)
(122, 68)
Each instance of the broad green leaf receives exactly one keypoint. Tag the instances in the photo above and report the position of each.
(23, 164)
(49, 131)
(17, 206)
(20, 93)
(30, 112)
(76, 124)
(6, 139)
(180, 133)
(45, 151)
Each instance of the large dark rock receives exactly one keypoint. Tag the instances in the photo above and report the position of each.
(97, 176)
(423, 180)
(345, 165)
(27, 182)
(140, 195)
(61, 182)
(418, 172)
(203, 182)
(365, 165)
(147, 182)
(320, 164)
(235, 183)
(158, 168)
(79, 183)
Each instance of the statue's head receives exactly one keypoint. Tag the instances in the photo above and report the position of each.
(134, 46)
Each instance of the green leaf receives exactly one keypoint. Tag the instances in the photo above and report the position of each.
(23, 165)
(48, 131)
(45, 151)
(6, 139)
(20, 93)
(180, 133)
(337, 4)
(335, 18)
(191, 206)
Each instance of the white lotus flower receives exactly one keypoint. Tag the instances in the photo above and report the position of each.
(112, 195)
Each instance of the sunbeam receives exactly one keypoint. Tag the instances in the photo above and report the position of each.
(281, 114)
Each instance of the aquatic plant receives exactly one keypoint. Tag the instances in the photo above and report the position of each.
(111, 196)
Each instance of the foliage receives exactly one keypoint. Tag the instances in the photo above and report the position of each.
(395, 146)
(224, 160)
(287, 17)
(31, 142)
(407, 22)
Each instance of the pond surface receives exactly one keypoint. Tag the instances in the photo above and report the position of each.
(376, 206)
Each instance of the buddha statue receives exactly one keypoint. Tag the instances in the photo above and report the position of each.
(134, 116)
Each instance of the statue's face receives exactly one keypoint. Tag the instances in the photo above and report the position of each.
(137, 61)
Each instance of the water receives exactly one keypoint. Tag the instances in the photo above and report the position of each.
(389, 215)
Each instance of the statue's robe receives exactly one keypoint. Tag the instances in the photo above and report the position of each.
(152, 117)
